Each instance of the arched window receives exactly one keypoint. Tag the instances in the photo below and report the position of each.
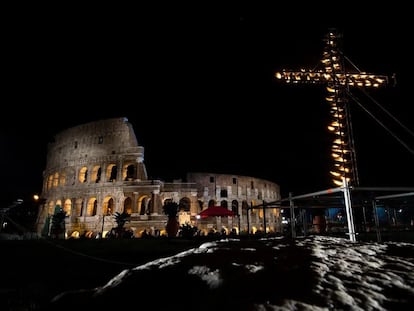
(128, 206)
(143, 202)
(129, 172)
(200, 205)
(111, 172)
(235, 207)
(67, 207)
(108, 206)
(184, 204)
(49, 182)
(56, 180)
(96, 174)
(95, 207)
(111, 206)
(62, 179)
(83, 174)
(92, 207)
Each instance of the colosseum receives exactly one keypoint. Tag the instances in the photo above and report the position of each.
(97, 169)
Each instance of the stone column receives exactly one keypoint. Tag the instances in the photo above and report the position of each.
(155, 198)
(141, 172)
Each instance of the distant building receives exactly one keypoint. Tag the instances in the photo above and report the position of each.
(97, 169)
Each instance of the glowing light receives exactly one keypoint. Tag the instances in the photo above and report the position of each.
(338, 81)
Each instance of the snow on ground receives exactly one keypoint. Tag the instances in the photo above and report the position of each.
(310, 273)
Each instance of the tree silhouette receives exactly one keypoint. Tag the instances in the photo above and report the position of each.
(170, 209)
(57, 229)
(121, 219)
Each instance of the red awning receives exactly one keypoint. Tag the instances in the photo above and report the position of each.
(216, 211)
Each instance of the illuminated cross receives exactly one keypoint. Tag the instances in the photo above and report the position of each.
(337, 81)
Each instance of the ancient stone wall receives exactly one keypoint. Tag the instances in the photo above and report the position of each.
(97, 169)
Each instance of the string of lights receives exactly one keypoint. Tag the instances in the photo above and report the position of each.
(338, 81)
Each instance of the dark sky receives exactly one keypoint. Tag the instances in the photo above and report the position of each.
(200, 91)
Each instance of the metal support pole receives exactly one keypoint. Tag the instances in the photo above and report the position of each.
(292, 216)
(377, 228)
(365, 218)
(264, 216)
(395, 222)
(2, 213)
(348, 207)
(304, 222)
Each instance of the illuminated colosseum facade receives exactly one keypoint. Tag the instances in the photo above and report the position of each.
(97, 169)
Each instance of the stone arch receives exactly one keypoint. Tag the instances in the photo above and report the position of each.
(224, 203)
(92, 207)
(96, 174)
(75, 235)
(211, 203)
(200, 205)
(56, 179)
(224, 230)
(235, 207)
(83, 174)
(184, 204)
(90, 234)
(67, 207)
(129, 171)
(49, 182)
(108, 206)
(143, 204)
(111, 172)
(128, 205)
(62, 178)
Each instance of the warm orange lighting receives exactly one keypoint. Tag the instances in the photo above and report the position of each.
(338, 80)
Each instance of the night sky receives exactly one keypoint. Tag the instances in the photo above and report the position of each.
(200, 92)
